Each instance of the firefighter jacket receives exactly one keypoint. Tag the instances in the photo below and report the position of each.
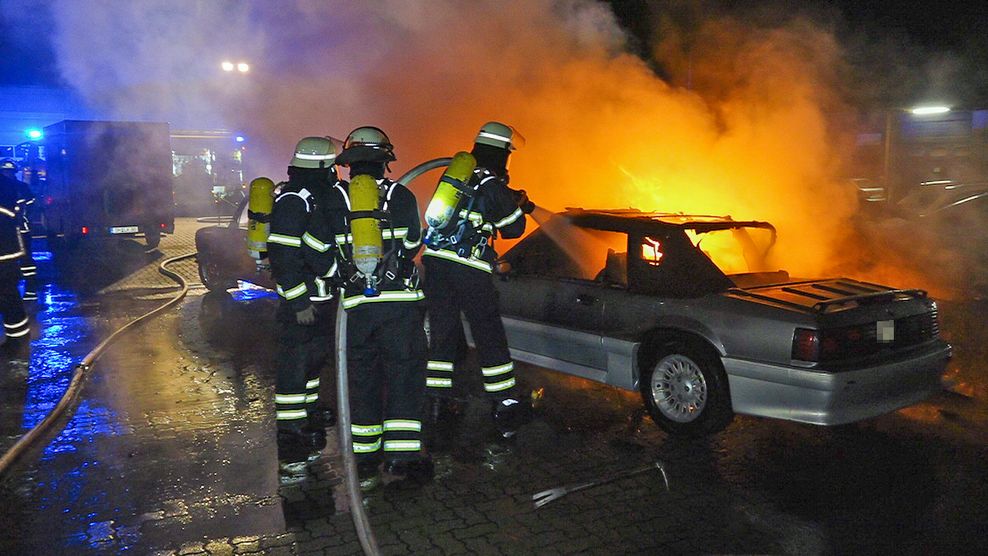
(493, 211)
(11, 243)
(401, 234)
(25, 199)
(302, 262)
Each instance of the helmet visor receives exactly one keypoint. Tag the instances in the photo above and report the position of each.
(517, 139)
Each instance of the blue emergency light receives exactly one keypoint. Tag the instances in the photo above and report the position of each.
(241, 138)
(33, 133)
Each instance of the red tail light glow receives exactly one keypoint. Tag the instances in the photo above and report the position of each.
(806, 345)
(85, 230)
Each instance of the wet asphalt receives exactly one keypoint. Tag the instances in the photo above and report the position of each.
(171, 451)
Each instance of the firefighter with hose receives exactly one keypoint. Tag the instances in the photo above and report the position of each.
(473, 205)
(301, 255)
(378, 233)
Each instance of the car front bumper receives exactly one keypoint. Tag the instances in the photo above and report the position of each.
(835, 398)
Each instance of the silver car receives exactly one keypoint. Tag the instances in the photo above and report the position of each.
(685, 310)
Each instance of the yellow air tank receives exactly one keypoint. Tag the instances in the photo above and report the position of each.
(366, 230)
(259, 212)
(450, 191)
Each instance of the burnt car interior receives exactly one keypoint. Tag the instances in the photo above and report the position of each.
(672, 255)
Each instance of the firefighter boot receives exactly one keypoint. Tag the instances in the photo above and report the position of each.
(368, 473)
(296, 444)
(321, 418)
(16, 349)
(510, 414)
(416, 471)
(444, 416)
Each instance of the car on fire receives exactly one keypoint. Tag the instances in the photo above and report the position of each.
(685, 310)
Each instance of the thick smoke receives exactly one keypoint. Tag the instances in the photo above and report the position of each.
(749, 134)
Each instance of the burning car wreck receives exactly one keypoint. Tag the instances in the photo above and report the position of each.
(685, 310)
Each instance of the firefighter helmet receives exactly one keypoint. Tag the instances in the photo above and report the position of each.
(314, 152)
(499, 135)
(367, 144)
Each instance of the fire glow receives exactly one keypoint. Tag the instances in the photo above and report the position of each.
(743, 126)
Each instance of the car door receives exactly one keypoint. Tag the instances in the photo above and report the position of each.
(564, 270)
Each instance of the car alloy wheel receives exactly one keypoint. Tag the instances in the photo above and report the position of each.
(679, 388)
(684, 387)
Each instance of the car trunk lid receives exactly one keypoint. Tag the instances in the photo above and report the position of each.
(827, 296)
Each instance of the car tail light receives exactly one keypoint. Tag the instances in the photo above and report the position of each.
(84, 230)
(806, 345)
(163, 225)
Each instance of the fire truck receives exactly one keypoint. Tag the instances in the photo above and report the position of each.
(106, 178)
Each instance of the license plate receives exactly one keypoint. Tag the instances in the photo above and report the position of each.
(885, 331)
(123, 229)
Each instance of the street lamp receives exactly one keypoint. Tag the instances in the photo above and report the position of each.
(228, 66)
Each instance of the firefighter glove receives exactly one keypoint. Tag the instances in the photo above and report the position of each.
(524, 203)
(306, 316)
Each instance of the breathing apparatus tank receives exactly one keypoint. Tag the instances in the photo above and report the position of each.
(450, 194)
(366, 229)
(259, 208)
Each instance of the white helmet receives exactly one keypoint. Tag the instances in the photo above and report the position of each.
(499, 135)
(314, 152)
(367, 144)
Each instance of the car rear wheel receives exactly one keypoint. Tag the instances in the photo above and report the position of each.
(684, 388)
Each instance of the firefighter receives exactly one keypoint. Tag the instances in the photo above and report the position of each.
(301, 264)
(458, 278)
(386, 343)
(15, 322)
(25, 199)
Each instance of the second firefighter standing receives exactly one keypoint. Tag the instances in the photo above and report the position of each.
(378, 233)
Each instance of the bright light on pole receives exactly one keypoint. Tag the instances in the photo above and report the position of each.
(929, 110)
(227, 65)
(33, 133)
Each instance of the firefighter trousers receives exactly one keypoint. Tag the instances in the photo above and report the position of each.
(386, 352)
(29, 270)
(452, 288)
(303, 350)
(15, 322)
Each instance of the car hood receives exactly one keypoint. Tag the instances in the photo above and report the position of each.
(823, 296)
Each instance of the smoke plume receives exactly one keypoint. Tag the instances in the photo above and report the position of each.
(749, 133)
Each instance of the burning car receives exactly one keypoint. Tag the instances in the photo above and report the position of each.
(684, 310)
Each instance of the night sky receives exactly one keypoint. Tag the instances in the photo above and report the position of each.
(888, 41)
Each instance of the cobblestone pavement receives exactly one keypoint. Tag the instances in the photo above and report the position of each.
(171, 451)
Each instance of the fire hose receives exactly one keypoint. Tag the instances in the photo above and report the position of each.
(360, 521)
(83, 370)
